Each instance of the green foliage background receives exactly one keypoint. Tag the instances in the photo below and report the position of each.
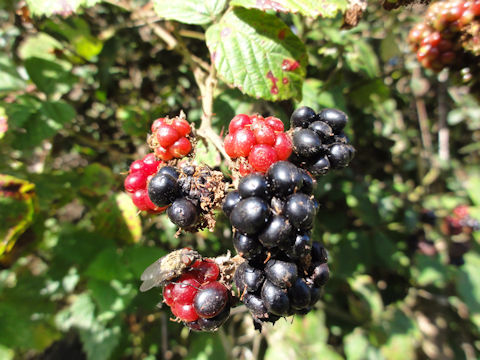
(79, 88)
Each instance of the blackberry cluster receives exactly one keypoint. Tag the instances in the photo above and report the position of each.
(319, 143)
(197, 297)
(256, 142)
(449, 37)
(191, 194)
(272, 215)
(140, 173)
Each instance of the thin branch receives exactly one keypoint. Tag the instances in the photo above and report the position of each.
(443, 132)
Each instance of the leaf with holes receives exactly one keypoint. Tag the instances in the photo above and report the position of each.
(258, 53)
(189, 11)
(62, 7)
(311, 8)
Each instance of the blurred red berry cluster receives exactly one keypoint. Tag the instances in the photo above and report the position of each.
(438, 40)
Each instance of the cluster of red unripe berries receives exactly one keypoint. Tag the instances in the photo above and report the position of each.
(170, 138)
(197, 298)
(437, 39)
(260, 140)
(136, 183)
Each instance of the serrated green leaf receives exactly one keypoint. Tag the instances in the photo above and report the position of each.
(52, 7)
(49, 76)
(189, 11)
(310, 8)
(259, 54)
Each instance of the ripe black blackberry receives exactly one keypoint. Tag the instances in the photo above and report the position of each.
(319, 143)
(272, 215)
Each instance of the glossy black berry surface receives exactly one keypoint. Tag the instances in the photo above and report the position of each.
(183, 213)
(300, 210)
(250, 215)
(231, 200)
(320, 166)
(278, 232)
(253, 185)
(281, 273)
(299, 294)
(246, 246)
(275, 299)
(322, 129)
(284, 178)
(210, 299)
(170, 170)
(335, 118)
(302, 117)
(340, 155)
(306, 144)
(163, 189)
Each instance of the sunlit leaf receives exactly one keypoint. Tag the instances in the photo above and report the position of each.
(311, 8)
(189, 11)
(258, 53)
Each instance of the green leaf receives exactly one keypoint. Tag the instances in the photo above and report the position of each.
(404, 335)
(259, 54)
(40, 45)
(358, 347)
(367, 304)
(311, 8)
(316, 96)
(96, 180)
(305, 339)
(139, 257)
(429, 271)
(64, 7)
(468, 286)
(10, 80)
(48, 76)
(41, 125)
(472, 185)
(112, 297)
(206, 346)
(117, 218)
(17, 209)
(190, 11)
(79, 314)
(108, 265)
(25, 314)
(99, 341)
(362, 58)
